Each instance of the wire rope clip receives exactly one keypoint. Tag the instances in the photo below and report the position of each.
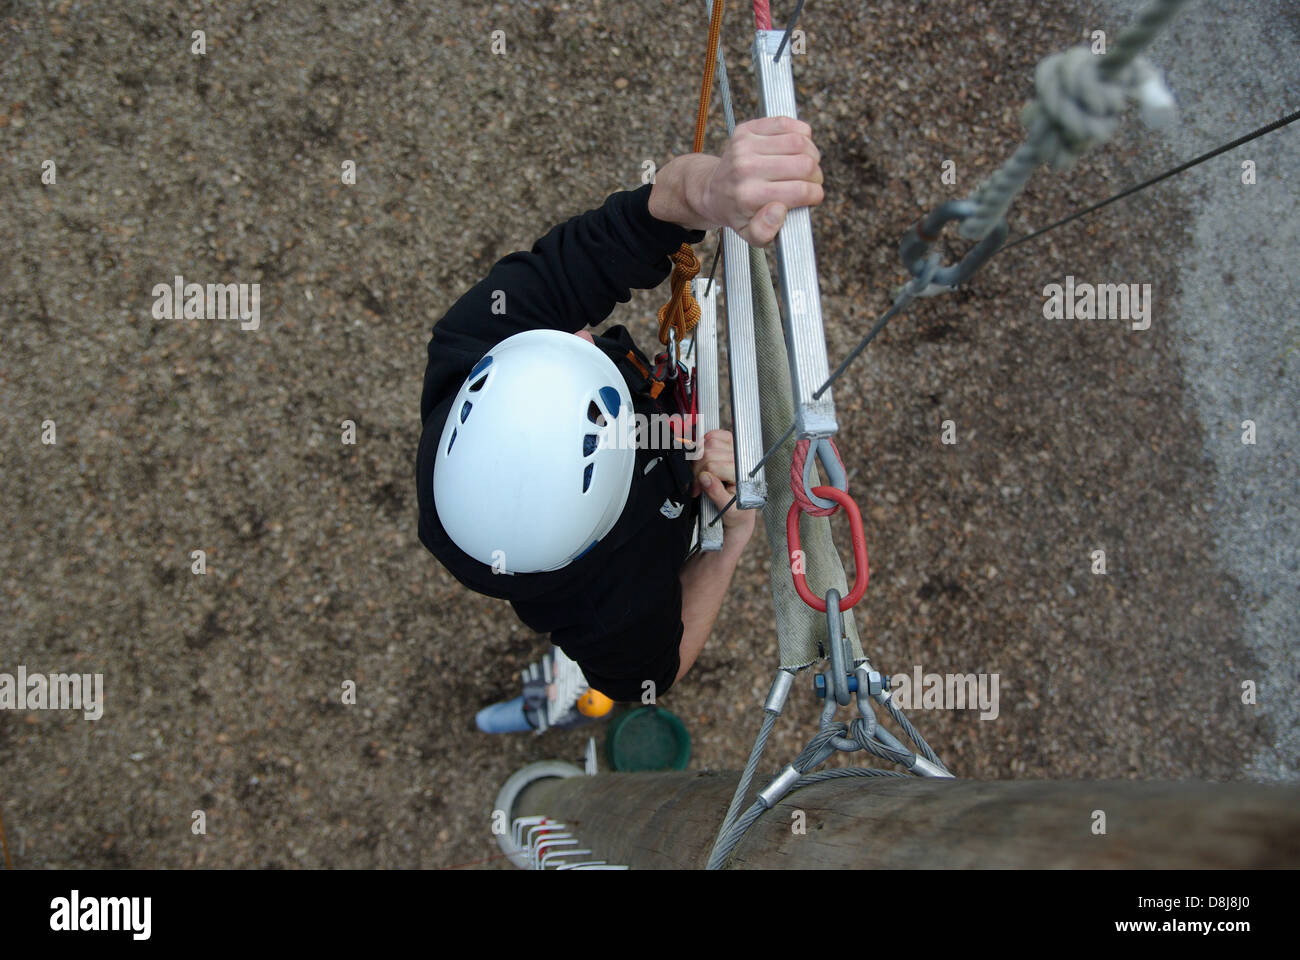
(917, 242)
(861, 567)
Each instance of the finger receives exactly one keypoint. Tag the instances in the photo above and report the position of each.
(724, 469)
(753, 175)
(787, 144)
(718, 451)
(779, 168)
(720, 455)
(754, 195)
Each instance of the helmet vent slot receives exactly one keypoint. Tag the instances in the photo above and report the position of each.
(595, 415)
(464, 411)
(477, 385)
(586, 477)
(589, 444)
(611, 398)
(451, 441)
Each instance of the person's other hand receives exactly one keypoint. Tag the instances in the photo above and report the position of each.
(715, 476)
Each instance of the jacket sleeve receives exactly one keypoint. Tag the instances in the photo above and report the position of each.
(571, 278)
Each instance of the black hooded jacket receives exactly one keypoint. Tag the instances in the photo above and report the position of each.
(616, 610)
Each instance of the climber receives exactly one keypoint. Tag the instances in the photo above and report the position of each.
(521, 495)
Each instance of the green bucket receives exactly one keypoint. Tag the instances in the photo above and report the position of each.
(647, 738)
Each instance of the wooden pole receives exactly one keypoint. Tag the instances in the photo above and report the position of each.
(669, 820)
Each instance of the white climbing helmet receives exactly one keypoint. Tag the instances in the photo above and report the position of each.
(536, 458)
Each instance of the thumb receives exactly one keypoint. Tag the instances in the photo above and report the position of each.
(774, 214)
(714, 489)
(766, 225)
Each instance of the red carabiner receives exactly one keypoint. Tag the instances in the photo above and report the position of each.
(862, 568)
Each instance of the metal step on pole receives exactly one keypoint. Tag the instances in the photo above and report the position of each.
(747, 421)
(805, 336)
(706, 393)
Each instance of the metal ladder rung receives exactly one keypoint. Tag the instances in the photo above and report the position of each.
(805, 334)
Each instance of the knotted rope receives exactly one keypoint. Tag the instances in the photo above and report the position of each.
(681, 313)
(1080, 97)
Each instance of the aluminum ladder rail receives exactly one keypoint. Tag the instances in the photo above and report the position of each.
(805, 335)
(706, 393)
(747, 422)
(751, 482)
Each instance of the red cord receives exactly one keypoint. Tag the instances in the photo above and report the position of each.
(762, 15)
(797, 461)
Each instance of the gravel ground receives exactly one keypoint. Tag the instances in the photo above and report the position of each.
(1237, 332)
(222, 692)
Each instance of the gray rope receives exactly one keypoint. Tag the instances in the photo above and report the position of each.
(875, 745)
(724, 88)
(913, 734)
(1138, 36)
(731, 837)
(813, 755)
(840, 772)
(830, 738)
(819, 748)
(746, 777)
(728, 843)
(1079, 101)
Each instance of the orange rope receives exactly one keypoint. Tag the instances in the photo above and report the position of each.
(681, 313)
(706, 86)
